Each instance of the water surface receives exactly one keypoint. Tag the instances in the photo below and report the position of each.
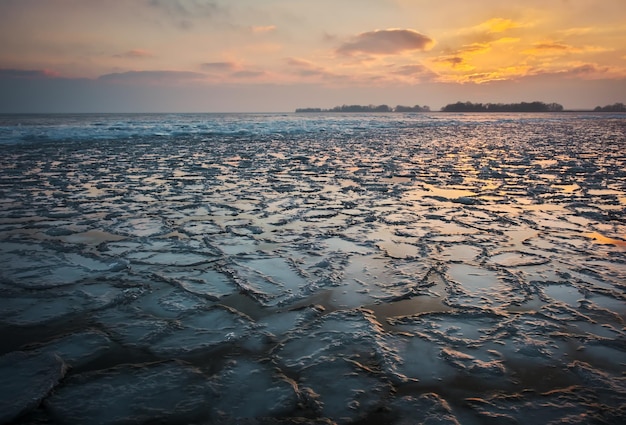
(358, 268)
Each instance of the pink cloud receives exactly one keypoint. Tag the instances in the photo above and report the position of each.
(416, 70)
(248, 74)
(305, 68)
(218, 66)
(386, 42)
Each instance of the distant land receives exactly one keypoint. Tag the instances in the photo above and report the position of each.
(368, 108)
(464, 107)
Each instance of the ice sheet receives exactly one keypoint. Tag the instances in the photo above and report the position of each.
(439, 268)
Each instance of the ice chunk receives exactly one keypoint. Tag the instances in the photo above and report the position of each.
(427, 408)
(518, 259)
(399, 250)
(202, 329)
(341, 390)
(418, 360)
(133, 394)
(131, 328)
(344, 333)
(249, 389)
(563, 293)
(22, 310)
(79, 348)
(141, 227)
(470, 364)
(270, 280)
(205, 282)
(462, 252)
(25, 379)
(477, 281)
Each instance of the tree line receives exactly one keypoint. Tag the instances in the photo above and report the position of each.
(502, 107)
(368, 108)
(465, 107)
(616, 107)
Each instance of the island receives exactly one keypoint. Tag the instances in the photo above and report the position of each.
(367, 108)
(503, 107)
(616, 107)
(535, 106)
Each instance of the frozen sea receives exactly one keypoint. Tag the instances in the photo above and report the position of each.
(431, 268)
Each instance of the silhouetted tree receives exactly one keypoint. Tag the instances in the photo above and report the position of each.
(416, 108)
(616, 107)
(502, 107)
(367, 108)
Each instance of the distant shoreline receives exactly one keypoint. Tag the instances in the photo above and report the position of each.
(522, 107)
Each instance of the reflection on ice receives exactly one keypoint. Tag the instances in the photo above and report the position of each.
(601, 239)
(313, 269)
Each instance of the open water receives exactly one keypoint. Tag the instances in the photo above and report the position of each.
(313, 268)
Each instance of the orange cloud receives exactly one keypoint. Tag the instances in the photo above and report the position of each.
(457, 63)
(576, 31)
(415, 71)
(386, 42)
(496, 25)
(458, 59)
(263, 29)
(557, 48)
(500, 74)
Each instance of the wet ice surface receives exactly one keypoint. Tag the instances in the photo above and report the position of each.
(329, 269)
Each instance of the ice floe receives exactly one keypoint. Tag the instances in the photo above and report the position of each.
(282, 269)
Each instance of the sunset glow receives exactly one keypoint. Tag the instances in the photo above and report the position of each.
(389, 51)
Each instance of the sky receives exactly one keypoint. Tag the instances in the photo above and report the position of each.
(279, 55)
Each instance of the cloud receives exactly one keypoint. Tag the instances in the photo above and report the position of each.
(301, 63)
(152, 77)
(386, 42)
(592, 71)
(27, 74)
(247, 74)
(458, 59)
(218, 66)
(263, 29)
(557, 48)
(416, 71)
(186, 8)
(134, 54)
(579, 71)
(587, 70)
(183, 12)
(313, 72)
(305, 68)
(496, 25)
(576, 31)
(549, 48)
(453, 61)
